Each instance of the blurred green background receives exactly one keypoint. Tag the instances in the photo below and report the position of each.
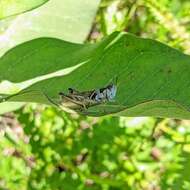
(44, 148)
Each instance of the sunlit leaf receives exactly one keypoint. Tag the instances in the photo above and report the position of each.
(14, 7)
(147, 71)
(67, 21)
(71, 20)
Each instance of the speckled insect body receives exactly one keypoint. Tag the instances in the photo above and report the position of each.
(105, 94)
(83, 100)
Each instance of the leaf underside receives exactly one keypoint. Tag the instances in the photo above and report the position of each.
(63, 24)
(66, 20)
(153, 79)
(14, 7)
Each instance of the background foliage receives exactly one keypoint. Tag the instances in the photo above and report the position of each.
(44, 148)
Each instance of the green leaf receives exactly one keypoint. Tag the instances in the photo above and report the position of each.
(71, 21)
(182, 175)
(153, 79)
(14, 7)
(10, 106)
(66, 22)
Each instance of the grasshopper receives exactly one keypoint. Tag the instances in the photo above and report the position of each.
(83, 100)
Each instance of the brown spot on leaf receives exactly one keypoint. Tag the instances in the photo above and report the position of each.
(169, 70)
